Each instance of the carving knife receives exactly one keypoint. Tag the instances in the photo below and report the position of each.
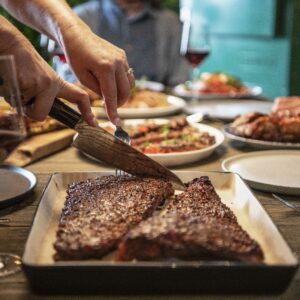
(102, 145)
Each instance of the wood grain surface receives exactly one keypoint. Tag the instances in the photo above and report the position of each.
(13, 234)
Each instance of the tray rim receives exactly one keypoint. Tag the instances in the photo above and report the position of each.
(156, 264)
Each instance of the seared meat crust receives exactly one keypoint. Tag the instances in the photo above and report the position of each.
(98, 212)
(197, 225)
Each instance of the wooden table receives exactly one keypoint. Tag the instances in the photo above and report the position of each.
(13, 234)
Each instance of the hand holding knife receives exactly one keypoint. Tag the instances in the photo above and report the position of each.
(100, 144)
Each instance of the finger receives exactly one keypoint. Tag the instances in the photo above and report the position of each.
(91, 81)
(123, 86)
(92, 94)
(130, 76)
(75, 94)
(110, 96)
(131, 79)
(41, 105)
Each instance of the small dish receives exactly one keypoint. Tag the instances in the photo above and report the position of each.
(15, 184)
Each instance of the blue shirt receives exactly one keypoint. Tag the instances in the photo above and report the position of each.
(151, 39)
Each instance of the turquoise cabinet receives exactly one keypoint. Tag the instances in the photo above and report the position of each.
(256, 40)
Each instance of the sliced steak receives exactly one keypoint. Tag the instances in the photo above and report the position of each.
(98, 212)
(197, 225)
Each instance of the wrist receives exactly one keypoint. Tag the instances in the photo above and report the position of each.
(71, 35)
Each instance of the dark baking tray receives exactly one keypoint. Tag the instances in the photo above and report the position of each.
(189, 277)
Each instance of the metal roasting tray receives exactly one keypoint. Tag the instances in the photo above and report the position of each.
(169, 276)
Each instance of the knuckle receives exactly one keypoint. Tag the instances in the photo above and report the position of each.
(46, 81)
(83, 96)
(40, 116)
(107, 66)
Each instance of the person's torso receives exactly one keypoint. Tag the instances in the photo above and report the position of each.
(137, 36)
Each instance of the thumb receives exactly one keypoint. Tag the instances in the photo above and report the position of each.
(77, 95)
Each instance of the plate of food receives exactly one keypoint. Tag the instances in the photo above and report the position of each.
(217, 85)
(171, 142)
(144, 104)
(261, 131)
(106, 233)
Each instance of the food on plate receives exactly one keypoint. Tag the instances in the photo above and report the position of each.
(147, 99)
(39, 127)
(98, 212)
(176, 136)
(219, 84)
(272, 127)
(32, 127)
(142, 99)
(122, 212)
(287, 106)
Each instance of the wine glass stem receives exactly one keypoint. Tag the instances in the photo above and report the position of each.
(195, 89)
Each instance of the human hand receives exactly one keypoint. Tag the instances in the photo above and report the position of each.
(92, 95)
(38, 81)
(100, 66)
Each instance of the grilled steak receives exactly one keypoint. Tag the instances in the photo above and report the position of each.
(98, 212)
(197, 225)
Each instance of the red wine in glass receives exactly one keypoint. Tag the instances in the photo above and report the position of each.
(196, 56)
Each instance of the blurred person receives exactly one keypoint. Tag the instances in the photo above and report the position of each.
(149, 34)
(99, 65)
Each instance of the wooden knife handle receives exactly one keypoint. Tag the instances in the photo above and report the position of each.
(64, 114)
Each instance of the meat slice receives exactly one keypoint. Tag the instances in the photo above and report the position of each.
(197, 225)
(98, 212)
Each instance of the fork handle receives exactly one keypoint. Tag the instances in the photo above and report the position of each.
(64, 114)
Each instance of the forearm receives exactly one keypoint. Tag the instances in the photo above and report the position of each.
(54, 18)
(10, 36)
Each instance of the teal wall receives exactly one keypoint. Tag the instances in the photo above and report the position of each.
(252, 39)
(256, 61)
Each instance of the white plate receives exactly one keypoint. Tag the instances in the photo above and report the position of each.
(150, 85)
(178, 158)
(228, 109)
(177, 104)
(272, 171)
(258, 144)
(179, 90)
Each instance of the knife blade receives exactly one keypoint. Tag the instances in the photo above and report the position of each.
(102, 145)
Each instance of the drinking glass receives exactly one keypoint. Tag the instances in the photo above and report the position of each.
(195, 47)
(12, 132)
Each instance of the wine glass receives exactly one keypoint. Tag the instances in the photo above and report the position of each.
(195, 47)
(12, 132)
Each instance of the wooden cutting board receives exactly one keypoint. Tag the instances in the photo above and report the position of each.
(40, 146)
